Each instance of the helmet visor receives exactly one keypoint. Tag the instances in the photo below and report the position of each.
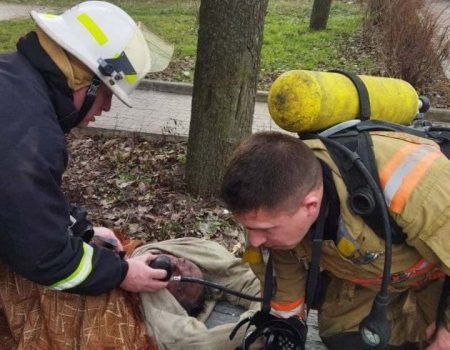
(160, 51)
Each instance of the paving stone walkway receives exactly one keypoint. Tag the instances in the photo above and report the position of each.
(10, 11)
(164, 113)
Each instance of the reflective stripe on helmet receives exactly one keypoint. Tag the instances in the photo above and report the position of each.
(80, 274)
(92, 27)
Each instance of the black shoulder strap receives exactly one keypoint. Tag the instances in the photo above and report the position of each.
(361, 197)
(262, 316)
(316, 235)
(372, 218)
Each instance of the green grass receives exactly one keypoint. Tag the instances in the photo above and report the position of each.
(10, 31)
(288, 43)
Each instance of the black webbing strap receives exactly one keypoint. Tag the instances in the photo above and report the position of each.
(262, 316)
(269, 284)
(363, 94)
(91, 94)
(279, 333)
(361, 198)
(316, 235)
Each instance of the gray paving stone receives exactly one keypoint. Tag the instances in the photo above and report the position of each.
(164, 113)
(11, 11)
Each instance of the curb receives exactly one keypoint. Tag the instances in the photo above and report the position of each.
(438, 115)
(434, 114)
(182, 88)
(95, 131)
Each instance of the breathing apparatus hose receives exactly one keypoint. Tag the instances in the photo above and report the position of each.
(374, 329)
(163, 262)
(216, 286)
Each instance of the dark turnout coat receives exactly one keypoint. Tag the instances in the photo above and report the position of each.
(36, 111)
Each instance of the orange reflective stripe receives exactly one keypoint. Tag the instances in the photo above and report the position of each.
(287, 306)
(394, 162)
(410, 182)
(420, 268)
(286, 310)
(401, 174)
(367, 282)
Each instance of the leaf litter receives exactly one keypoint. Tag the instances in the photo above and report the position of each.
(137, 186)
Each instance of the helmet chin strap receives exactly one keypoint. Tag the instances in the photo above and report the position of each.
(91, 94)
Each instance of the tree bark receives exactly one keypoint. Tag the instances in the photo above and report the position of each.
(319, 14)
(228, 60)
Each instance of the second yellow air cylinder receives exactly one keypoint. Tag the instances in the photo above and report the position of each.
(307, 101)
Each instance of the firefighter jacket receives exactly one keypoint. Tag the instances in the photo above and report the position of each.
(414, 177)
(34, 215)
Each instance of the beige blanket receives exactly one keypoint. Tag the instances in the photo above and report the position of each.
(169, 323)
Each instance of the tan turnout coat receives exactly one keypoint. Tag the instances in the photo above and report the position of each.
(415, 179)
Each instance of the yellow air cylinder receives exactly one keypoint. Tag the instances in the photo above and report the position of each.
(307, 101)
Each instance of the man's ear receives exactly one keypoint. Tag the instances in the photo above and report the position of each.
(79, 96)
(311, 202)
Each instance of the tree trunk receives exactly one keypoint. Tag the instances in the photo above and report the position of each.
(226, 72)
(319, 14)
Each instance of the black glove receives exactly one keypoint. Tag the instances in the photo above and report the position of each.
(80, 225)
(280, 334)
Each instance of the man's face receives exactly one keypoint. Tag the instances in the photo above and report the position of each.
(102, 103)
(189, 295)
(279, 229)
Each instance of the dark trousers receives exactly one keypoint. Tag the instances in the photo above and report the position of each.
(352, 340)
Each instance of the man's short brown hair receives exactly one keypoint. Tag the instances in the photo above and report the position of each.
(270, 170)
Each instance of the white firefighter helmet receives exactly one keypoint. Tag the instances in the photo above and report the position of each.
(109, 42)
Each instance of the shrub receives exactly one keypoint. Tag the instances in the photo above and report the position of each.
(411, 42)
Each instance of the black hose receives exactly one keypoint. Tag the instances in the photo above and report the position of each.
(385, 215)
(216, 286)
(374, 328)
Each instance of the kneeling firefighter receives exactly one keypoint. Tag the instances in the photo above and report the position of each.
(351, 219)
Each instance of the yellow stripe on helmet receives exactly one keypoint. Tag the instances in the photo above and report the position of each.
(131, 78)
(92, 27)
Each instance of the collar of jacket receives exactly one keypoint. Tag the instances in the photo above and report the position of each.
(60, 93)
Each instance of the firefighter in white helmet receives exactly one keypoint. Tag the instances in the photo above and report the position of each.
(62, 75)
